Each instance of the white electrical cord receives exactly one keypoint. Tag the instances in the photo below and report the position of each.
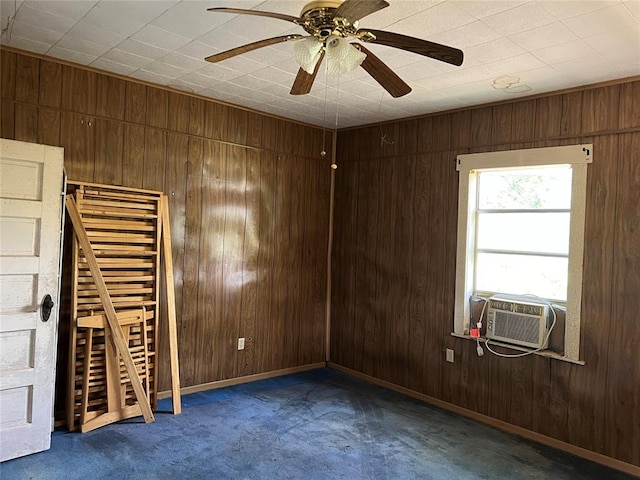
(523, 354)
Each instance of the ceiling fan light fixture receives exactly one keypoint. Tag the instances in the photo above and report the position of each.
(342, 57)
(307, 53)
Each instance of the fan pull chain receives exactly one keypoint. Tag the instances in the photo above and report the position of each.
(323, 153)
(333, 160)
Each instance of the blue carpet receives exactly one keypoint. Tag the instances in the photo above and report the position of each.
(320, 424)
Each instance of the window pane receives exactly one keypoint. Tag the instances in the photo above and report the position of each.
(522, 274)
(524, 232)
(548, 187)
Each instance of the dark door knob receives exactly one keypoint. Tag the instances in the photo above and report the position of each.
(47, 306)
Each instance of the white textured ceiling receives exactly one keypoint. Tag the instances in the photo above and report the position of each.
(540, 46)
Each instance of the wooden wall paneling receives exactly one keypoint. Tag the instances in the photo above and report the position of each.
(385, 362)
(248, 307)
(623, 380)
(155, 150)
(27, 79)
(48, 126)
(571, 119)
(403, 256)
(188, 312)
(26, 123)
(302, 313)
(500, 378)
(548, 121)
(586, 418)
(282, 209)
(461, 130)
(311, 144)
(50, 94)
(347, 146)
(215, 120)
(196, 116)
(370, 143)
(109, 153)
(600, 109)
(320, 231)
(523, 122)
(419, 308)
(521, 392)
(110, 97)
(405, 135)
(367, 277)
(135, 102)
(541, 371)
(157, 108)
(441, 132)
(343, 265)
(77, 137)
(425, 135)
(559, 400)
(133, 156)
(232, 263)
(175, 187)
(8, 62)
(445, 180)
(308, 215)
(254, 129)
(481, 126)
(205, 338)
(284, 136)
(265, 335)
(236, 126)
(178, 112)
(474, 378)
(7, 119)
(78, 90)
(501, 128)
(291, 259)
(630, 105)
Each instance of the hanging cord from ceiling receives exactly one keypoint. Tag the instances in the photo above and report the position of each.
(11, 20)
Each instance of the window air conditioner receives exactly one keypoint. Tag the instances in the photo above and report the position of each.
(518, 319)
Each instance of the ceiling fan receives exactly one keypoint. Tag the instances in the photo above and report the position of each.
(331, 25)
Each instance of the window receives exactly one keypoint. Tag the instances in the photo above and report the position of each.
(521, 228)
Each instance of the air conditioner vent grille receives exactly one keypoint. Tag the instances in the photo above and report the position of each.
(518, 327)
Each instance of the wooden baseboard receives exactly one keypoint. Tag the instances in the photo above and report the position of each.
(246, 379)
(499, 424)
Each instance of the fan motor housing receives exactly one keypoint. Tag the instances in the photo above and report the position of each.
(319, 21)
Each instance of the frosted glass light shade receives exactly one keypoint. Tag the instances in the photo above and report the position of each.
(307, 53)
(342, 57)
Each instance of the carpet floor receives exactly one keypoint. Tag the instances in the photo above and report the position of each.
(320, 424)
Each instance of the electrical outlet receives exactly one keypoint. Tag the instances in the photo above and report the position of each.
(241, 343)
(449, 355)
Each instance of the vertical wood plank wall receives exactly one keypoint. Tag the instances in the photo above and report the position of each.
(394, 266)
(249, 204)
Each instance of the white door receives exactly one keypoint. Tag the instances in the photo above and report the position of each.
(31, 180)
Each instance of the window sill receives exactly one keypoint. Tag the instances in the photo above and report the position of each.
(542, 353)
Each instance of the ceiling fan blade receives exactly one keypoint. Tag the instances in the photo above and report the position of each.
(382, 74)
(280, 16)
(249, 47)
(416, 45)
(354, 10)
(304, 81)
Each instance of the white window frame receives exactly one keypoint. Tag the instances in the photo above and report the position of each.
(577, 157)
